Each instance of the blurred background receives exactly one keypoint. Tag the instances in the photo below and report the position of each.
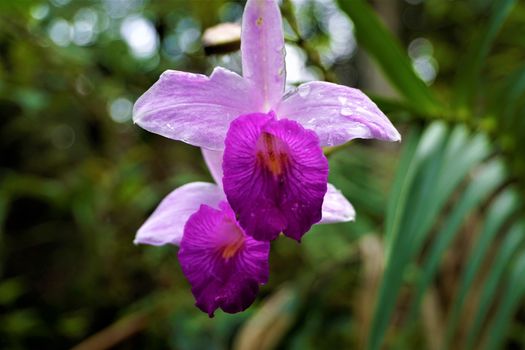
(435, 259)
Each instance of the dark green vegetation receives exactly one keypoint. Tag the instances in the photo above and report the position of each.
(435, 260)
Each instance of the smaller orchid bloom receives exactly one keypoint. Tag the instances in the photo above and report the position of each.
(223, 264)
(275, 173)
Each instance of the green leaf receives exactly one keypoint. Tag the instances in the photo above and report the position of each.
(486, 181)
(507, 106)
(388, 53)
(442, 159)
(404, 202)
(398, 197)
(469, 73)
(509, 246)
(461, 154)
(509, 301)
(500, 210)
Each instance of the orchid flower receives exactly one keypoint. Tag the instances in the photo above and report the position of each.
(223, 264)
(274, 171)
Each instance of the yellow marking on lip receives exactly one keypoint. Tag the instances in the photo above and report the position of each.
(236, 241)
(230, 250)
(270, 156)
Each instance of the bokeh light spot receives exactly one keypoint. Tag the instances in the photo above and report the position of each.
(120, 110)
(140, 35)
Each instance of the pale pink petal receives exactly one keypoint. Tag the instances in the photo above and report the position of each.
(213, 160)
(194, 108)
(262, 47)
(166, 224)
(336, 113)
(336, 208)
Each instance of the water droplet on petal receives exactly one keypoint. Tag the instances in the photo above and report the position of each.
(342, 100)
(361, 110)
(346, 111)
(303, 90)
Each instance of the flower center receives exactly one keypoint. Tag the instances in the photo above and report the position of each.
(234, 240)
(271, 154)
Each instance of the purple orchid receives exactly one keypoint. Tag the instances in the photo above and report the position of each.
(274, 171)
(223, 264)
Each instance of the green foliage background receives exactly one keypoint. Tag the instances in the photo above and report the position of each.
(435, 260)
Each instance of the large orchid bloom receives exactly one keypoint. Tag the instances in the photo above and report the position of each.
(223, 265)
(275, 173)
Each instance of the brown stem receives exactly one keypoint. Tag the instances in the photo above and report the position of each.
(116, 333)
